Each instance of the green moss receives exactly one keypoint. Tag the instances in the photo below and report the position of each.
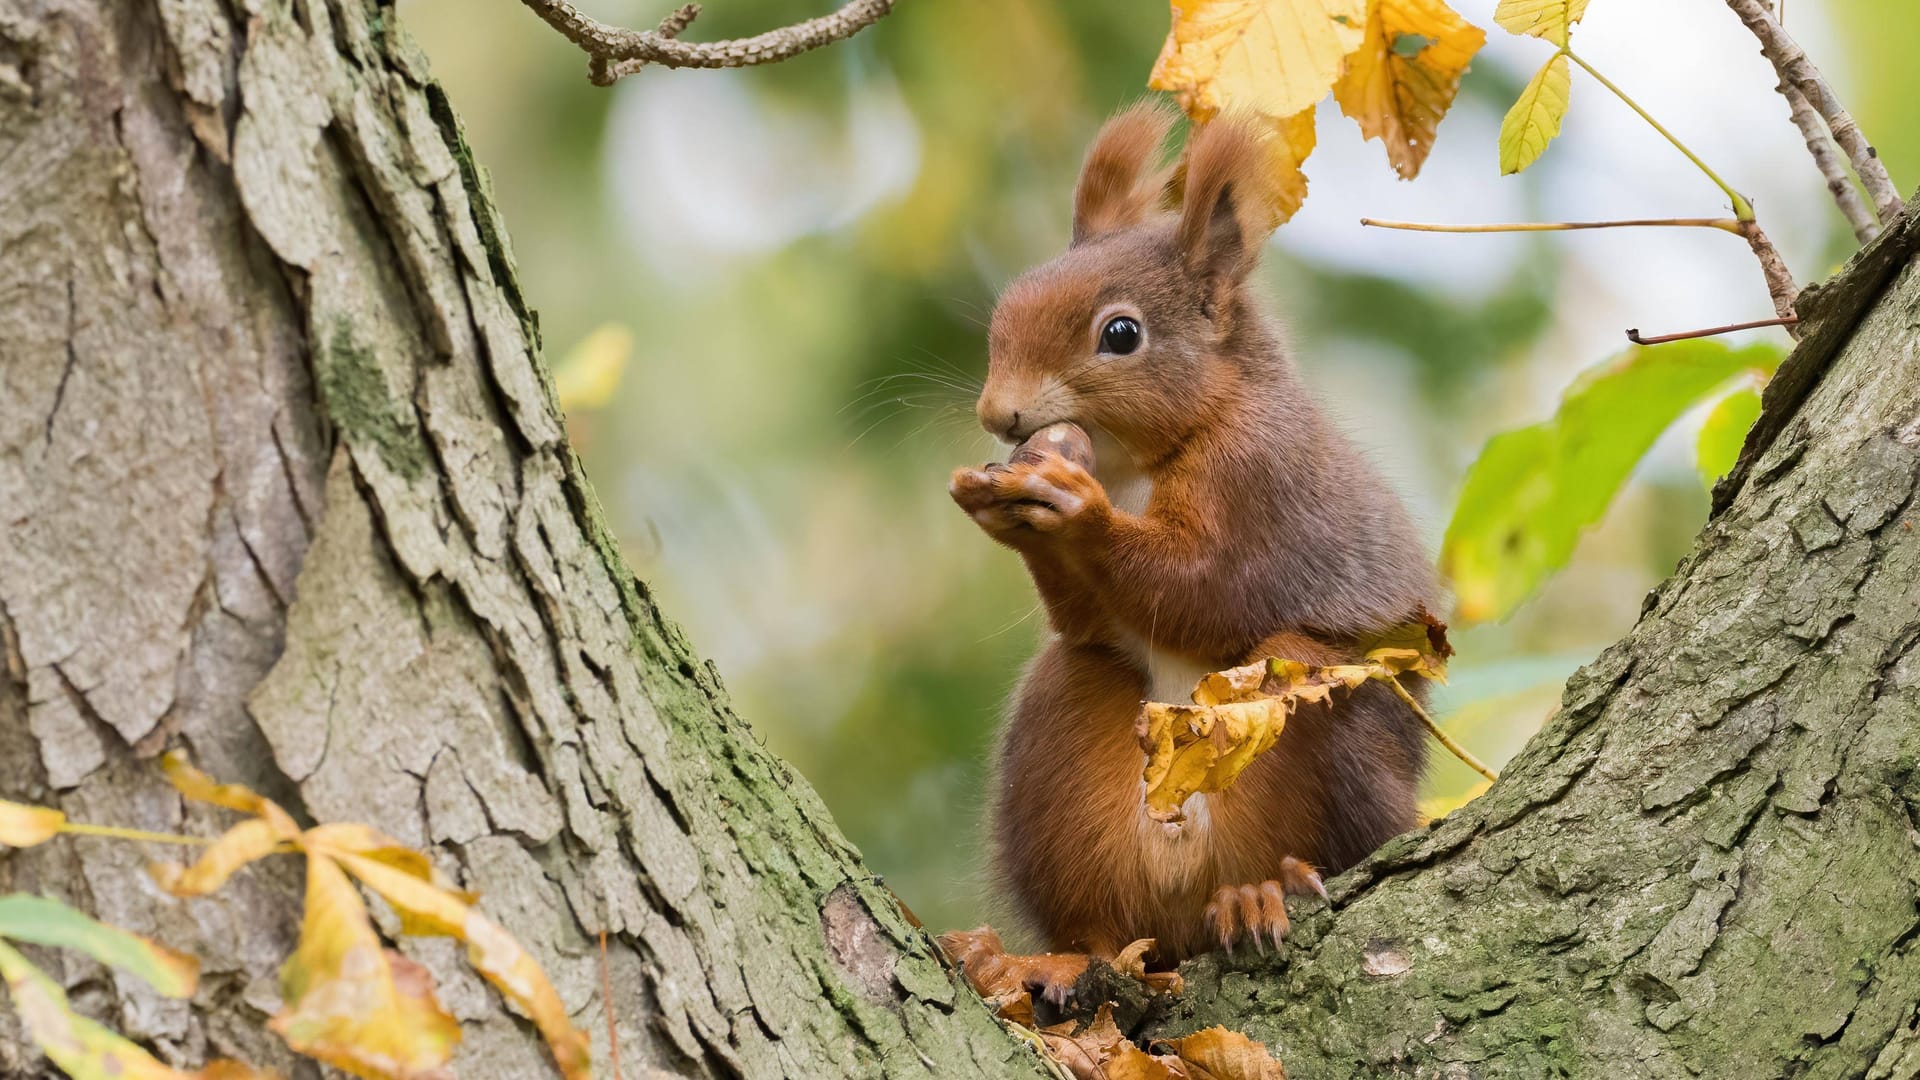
(359, 402)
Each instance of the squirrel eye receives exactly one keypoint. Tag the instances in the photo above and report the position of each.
(1120, 336)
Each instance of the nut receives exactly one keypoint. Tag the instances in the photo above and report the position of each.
(1065, 438)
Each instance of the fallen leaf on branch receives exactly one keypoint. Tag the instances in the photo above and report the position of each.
(1084, 1048)
(1239, 713)
(1219, 1054)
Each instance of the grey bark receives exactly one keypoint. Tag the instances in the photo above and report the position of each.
(281, 481)
(1708, 862)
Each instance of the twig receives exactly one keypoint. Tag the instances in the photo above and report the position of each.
(1795, 69)
(614, 52)
(1686, 335)
(1780, 283)
(1724, 224)
(1820, 145)
(81, 828)
(1446, 740)
(1741, 208)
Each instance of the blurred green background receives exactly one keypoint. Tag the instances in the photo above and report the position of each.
(803, 258)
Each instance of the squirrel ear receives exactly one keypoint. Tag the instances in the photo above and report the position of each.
(1227, 207)
(1118, 184)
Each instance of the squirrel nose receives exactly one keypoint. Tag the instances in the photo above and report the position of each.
(998, 419)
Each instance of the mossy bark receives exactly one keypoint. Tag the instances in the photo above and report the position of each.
(281, 481)
(1708, 863)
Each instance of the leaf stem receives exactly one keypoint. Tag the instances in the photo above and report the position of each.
(1741, 208)
(1446, 740)
(119, 833)
(1686, 335)
(1730, 225)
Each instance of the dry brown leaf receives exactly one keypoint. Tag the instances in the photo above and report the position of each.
(1238, 713)
(1084, 1048)
(1400, 97)
(1132, 1063)
(1219, 1054)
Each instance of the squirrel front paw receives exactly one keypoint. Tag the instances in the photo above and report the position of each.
(1261, 910)
(1048, 496)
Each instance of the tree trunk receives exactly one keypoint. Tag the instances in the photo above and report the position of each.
(282, 481)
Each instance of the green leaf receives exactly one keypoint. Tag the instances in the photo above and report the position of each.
(1535, 489)
(1535, 118)
(1550, 19)
(38, 920)
(1724, 433)
(81, 1048)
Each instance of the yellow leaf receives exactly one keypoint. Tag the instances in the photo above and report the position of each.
(1535, 119)
(22, 825)
(1398, 93)
(1292, 140)
(1237, 714)
(1550, 19)
(1275, 57)
(590, 372)
(352, 1003)
(200, 787)
(244, 843)
(430, 909)
(81, 1048)
(1219, 1054)
(1195, 748)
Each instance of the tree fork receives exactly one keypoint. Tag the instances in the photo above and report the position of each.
(285, 484)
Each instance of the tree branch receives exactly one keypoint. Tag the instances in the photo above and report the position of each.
(1634, 334)
(614, 52)
(1780, 284)
(1827, 157)
(1796, 70)
(1723, 224)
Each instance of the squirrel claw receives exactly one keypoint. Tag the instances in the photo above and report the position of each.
(1259, 912)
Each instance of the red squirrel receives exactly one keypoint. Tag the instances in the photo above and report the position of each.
(1224, 520)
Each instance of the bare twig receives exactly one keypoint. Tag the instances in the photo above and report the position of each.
(1686, 335)
(1797, 71)
(1780, 283)
(606, 987)
(1466, 756)
(1724, 224)
(1820, 145)
(614, 52)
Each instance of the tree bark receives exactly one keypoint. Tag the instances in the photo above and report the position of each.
(282, 481)
(1708, 863)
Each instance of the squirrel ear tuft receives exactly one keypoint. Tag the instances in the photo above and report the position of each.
(1227, 209)
(1120, 181)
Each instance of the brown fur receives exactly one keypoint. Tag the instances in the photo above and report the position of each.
(1265, 533)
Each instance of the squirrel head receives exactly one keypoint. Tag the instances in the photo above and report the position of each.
(1131, 330)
